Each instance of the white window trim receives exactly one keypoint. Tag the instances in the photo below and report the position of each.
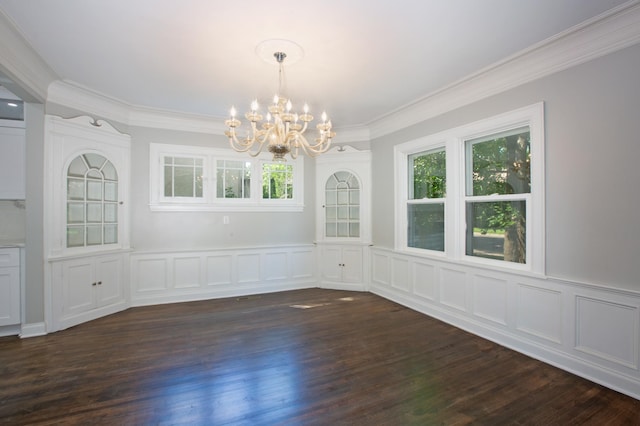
(209, 201)
(454, 142)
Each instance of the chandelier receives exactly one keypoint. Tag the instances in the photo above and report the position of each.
(282, 130)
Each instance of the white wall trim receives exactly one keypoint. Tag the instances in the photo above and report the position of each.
(607, 33)
(178, 276)
(28, 75)
(33, 330)
(590, 331)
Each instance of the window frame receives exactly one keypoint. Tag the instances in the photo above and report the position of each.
(210, 200)
(454, 141)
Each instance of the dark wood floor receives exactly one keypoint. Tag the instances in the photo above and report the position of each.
(304, 357)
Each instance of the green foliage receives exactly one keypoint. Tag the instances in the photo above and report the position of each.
(277, 181)
(429, 175)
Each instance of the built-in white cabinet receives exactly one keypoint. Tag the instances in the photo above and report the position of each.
(87, 214)
(342, 266)
(343, 219)
(86, 288)
(9, 286)
(12, 163)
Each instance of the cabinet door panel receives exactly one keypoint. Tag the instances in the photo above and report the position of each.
(77, 287)
(352, 260)
(109, 273)
(331, 259)
(9, 296)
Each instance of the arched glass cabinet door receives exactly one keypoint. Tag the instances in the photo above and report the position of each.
(342, 206)
(92, 202)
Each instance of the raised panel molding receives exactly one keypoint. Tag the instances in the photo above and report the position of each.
(150, 275)
(169, 277)
(186, 272)
(302, 264)
(380, 265)
(400, 274)
(539, 312)
(219, 269)
(490, 299)
(276, 266)
(453, 288)
(591, 331)
(607, 330)
(424, 280)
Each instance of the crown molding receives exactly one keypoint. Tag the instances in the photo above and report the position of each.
(174, 120)
(604, 34)
(90, 102)
(27, 75)
(352, 134)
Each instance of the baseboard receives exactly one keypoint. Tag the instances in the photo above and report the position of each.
(33, 330)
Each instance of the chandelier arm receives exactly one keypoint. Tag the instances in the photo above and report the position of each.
(240, 146)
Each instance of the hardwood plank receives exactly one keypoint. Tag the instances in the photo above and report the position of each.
(349, 358)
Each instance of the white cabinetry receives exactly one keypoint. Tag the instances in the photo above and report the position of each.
(87, 220)
(342, 266)
(86, 288)
(343, 220)
(9, 286)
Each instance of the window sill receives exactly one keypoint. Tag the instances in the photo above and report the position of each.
(248, 207)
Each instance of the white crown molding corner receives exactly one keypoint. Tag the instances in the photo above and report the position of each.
(27, 73)
(174, 120)
(352, 134)
(72, 95)
(607, 33)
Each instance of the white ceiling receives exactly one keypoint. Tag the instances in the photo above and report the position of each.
(362, 58)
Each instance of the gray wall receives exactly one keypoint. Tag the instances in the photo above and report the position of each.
(34, 243)
(592, 120)
(205, 230)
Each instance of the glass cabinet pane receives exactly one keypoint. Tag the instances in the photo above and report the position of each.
(342, 205)
(92, 206)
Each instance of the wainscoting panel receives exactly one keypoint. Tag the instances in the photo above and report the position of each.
(186, 272)
(276, 266)
(219, 269)
(424, 280)
(166, 277)
(607, 330)
(591, 331)
(453, 290)
(150, 274)
(400, 274)
(302, 264)
(490, 299)
(546, 323)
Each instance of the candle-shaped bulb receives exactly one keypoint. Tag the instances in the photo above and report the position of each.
(305, 108)
(289, 106)
(268, 116)
(233, 112)
(275, 100)
(324, 117)
(254, 105)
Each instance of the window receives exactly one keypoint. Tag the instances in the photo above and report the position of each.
(475, 193)
(234, 179)
(426, 200)
(342, 205)
(277, 181)
(183, 177)
(192, 178)
(498, 184)
(92, 202)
